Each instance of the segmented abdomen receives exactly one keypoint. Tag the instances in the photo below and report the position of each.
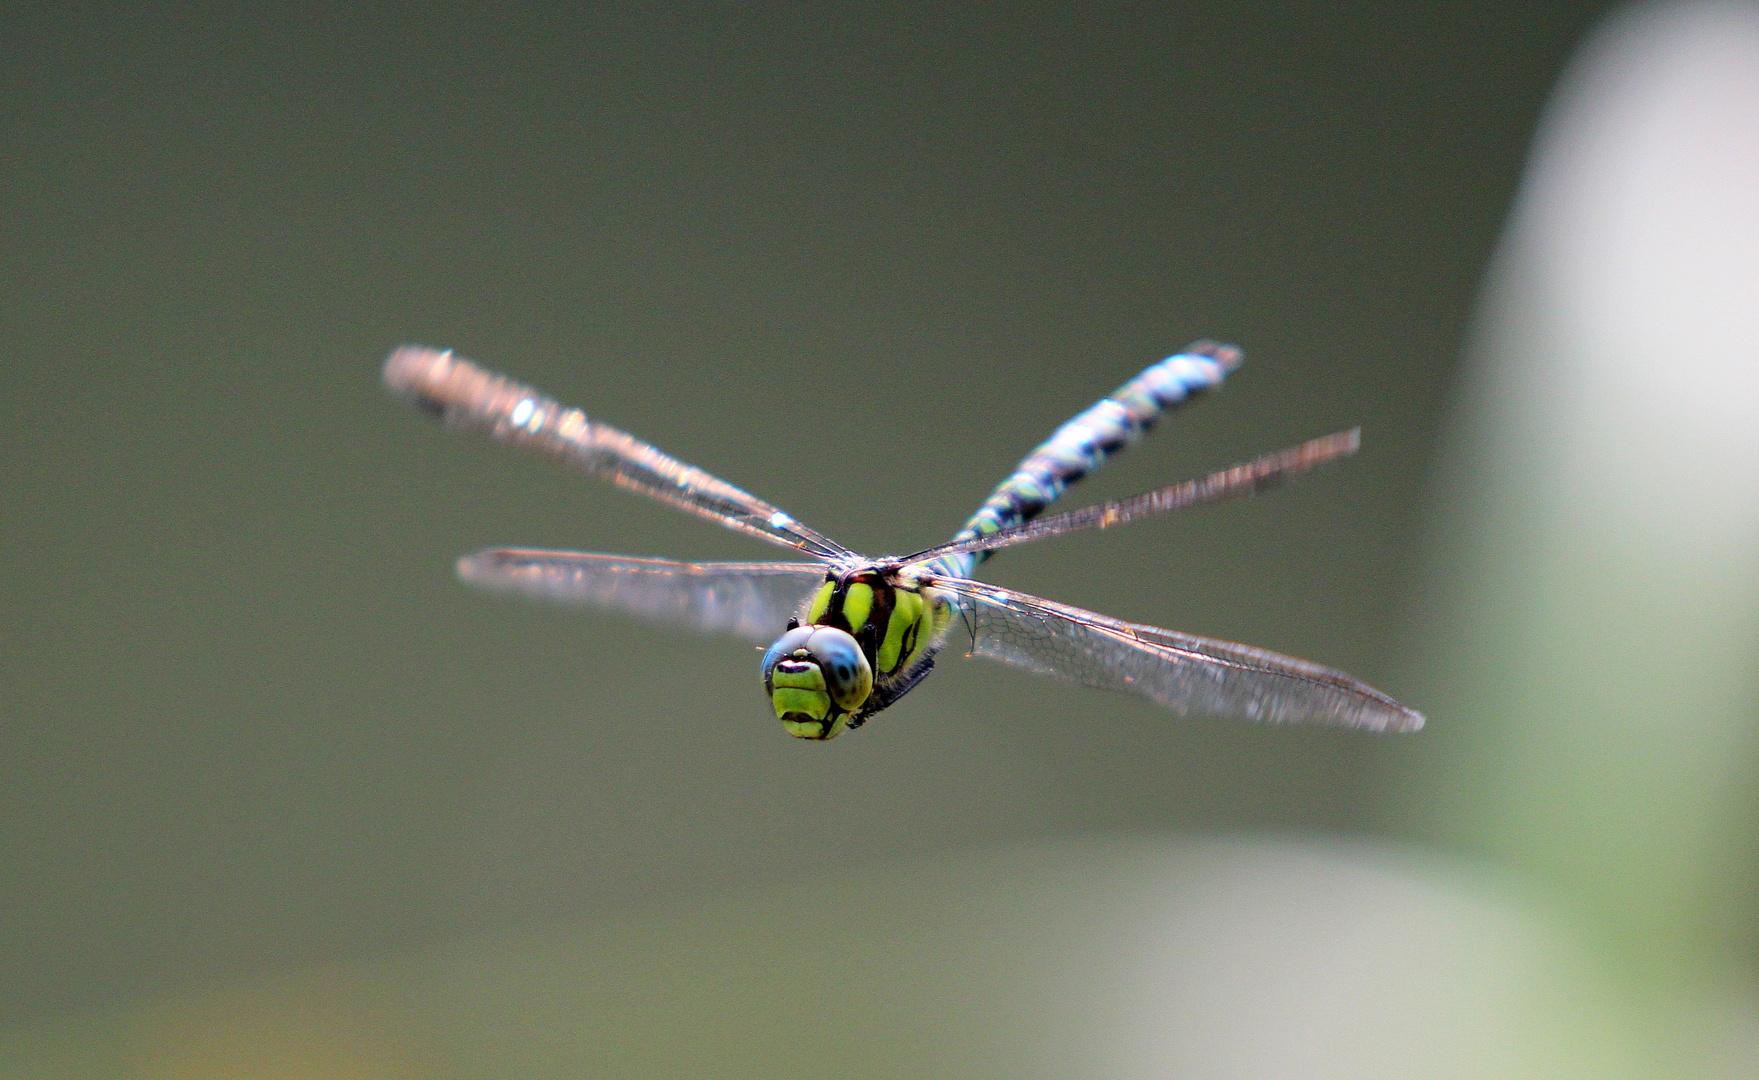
(1084, 443)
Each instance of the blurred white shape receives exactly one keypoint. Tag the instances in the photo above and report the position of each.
(1113, 958)
(1278, 960)
(1638, 227)
(1593, 614)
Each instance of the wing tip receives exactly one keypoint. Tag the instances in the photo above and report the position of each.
(1374, 712)
(417, 373)
(1403, 721)
(409, 367)
(480, 568)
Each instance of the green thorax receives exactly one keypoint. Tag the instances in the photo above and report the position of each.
(887, 615)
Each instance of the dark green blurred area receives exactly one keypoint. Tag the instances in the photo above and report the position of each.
(855, 261)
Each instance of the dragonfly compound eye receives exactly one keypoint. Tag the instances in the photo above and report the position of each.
(815, 677)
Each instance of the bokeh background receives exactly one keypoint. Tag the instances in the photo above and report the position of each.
(279, 798)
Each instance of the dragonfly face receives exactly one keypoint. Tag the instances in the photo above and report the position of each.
(816, 677)
(865, 628)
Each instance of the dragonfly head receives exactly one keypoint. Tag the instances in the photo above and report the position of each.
(816, 676)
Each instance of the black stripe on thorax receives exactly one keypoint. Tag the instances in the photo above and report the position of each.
(879, 616)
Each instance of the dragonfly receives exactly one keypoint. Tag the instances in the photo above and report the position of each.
(849, 635)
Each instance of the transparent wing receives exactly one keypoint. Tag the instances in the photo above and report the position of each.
(1183, 672)
(470, 396)
(752, 600)
(1238, 481)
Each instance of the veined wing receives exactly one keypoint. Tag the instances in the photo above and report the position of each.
(1238, 481)
(470, 396)
(1183, 672)
(752, 600)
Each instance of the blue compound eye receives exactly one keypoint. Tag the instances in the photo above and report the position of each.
(848, 677)
(809, 670)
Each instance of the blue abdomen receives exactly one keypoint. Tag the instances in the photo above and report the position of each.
(1084, 443)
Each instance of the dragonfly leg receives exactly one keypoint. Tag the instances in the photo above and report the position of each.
(884, 696)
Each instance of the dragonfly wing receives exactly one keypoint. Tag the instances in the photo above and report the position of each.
(1183, 672)
(752, 600)
(1246, 479)
(465, 394)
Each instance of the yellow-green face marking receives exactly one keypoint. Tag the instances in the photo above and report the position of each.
(798, 688)
(816, 676)
(815, 729)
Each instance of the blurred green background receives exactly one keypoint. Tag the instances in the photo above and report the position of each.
(261, 757)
